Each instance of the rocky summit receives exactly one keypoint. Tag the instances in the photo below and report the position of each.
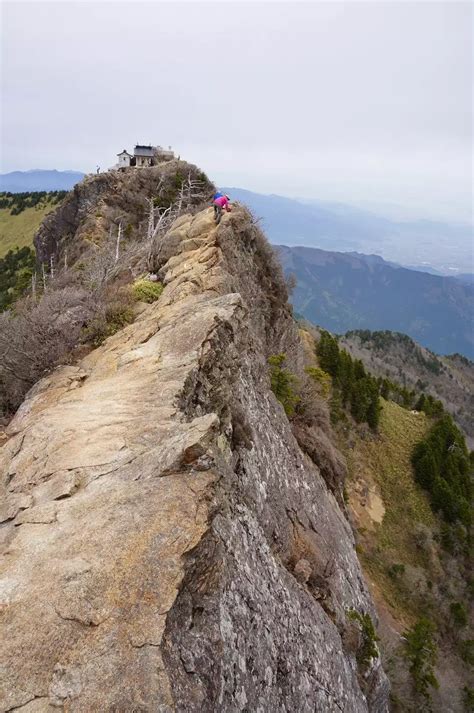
(167, 545)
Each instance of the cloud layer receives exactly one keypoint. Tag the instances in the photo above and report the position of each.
(355, 101)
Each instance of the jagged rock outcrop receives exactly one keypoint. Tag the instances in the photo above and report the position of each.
(100, 201)
(166, 544)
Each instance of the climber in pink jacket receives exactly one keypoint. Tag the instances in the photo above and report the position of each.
(220, 203)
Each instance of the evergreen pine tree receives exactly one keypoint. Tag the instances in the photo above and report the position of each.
(328, 354)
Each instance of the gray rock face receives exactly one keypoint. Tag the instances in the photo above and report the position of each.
(166, 545)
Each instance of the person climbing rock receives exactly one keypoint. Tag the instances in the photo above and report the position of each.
(220, 203)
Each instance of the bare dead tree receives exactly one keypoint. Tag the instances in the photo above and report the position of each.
(164, 220)
(160, 185)
(192, 192)
(151, 219)
(291, 282)
(117, 246)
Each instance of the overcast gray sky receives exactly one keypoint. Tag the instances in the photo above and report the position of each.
(363, 102)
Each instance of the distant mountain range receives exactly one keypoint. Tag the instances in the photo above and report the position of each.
(39, 180)
(435, 247)
(346, 291)
(441, 248)
(350, 290)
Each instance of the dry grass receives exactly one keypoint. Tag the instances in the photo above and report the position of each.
(385, 460)
(389, 458)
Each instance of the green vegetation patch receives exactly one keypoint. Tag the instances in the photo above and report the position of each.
(16, 270)
(353, 386)
(283, 383)
(443, 467)
(468, 699)
(466, 651)
(146, 291)
(368, 649)
(18, 202)
(459, 614)
(421, 653)
(429, 405)
(321, 378)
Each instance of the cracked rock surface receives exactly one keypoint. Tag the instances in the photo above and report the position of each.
(165, 544)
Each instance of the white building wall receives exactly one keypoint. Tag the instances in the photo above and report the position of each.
(124, 160)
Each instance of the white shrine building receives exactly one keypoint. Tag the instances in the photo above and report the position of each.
(143, 156)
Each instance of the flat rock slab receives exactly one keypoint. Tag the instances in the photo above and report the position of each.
(93, 557)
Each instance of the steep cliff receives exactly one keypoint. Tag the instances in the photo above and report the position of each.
(166, 543)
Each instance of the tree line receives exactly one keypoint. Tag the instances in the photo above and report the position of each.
(18, 202)
(383, 340)
(353, 386)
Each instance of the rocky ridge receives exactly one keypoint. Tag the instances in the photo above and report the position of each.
(166, 544)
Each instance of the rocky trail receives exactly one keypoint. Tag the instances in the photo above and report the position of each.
(165, 543)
